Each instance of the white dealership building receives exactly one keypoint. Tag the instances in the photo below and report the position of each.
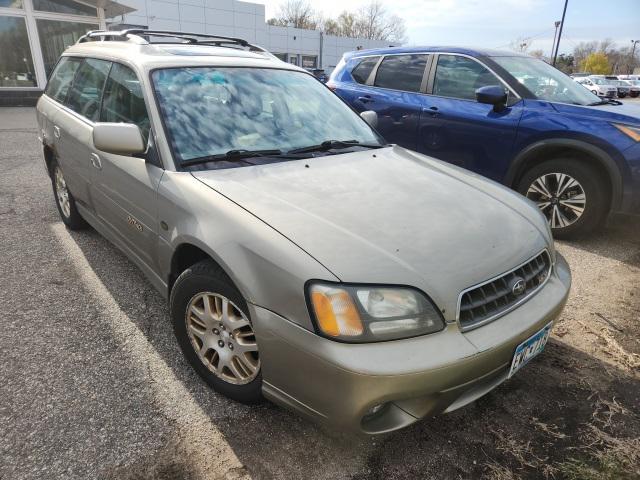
(33, 33)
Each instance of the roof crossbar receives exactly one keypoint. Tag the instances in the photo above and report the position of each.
(141, 36)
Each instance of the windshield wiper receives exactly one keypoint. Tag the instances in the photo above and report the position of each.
(334, 145)
(604, 102)
(238, 155)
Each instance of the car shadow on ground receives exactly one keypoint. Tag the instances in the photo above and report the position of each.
(563, 410)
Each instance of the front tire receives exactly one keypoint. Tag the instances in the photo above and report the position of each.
(570, 193)
(64, 200)
(212, 325)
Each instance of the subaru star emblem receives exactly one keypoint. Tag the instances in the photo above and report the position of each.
(518, 286)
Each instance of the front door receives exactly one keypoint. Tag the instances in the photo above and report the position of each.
(124, 187)
(456, 128)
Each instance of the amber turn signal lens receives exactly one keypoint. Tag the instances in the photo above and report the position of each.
(335, 312)
(632, 132)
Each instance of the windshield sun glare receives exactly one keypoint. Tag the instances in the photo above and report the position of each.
(208, 111)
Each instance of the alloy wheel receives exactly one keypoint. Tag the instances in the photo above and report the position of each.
(62, 193)
(560, 197)
(223, 338)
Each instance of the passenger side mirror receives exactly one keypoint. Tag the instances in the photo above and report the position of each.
(492, 95)
(118, 138)
(370, 117)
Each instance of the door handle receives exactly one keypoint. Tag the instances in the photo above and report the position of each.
(56, 131)
(365, 99)
(432, 111)
(95, 161)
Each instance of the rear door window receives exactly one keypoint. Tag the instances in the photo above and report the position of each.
(61, 78)
(123, 101)
(401, 72)
(86, 92)
(460, 77)
(362, 71)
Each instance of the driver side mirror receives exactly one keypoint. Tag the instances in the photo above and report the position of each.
(370, 117)
(492, 95)
(118, 138)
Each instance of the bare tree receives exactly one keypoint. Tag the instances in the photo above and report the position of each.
(295, 13)
(371, 21)
(347, 25)
(374, 22)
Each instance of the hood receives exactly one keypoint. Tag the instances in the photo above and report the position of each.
(391, 216)
(626, 113)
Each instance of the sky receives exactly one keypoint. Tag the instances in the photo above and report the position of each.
(496, 23)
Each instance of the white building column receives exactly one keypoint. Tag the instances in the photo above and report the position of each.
(34, 43)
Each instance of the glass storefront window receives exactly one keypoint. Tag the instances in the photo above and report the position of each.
(64, 6)
(11, 3)
(16, 62)
(56, 36)
(309, 61)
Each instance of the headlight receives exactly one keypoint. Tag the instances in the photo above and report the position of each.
(354, 313)
(631, 132)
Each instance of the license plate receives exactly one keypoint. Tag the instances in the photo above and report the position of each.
(528, 349)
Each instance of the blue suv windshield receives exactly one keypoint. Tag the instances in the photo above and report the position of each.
(546, 82)
(212, 111)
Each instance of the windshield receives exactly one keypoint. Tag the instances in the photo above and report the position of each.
(210, 111)
(546, 82)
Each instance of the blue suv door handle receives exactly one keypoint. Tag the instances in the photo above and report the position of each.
(432, 111)
(365, 99)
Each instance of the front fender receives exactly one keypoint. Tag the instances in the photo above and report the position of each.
(269, 270)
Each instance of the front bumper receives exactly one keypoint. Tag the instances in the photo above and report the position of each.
(338, 383)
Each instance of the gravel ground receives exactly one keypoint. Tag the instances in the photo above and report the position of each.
(93, 385)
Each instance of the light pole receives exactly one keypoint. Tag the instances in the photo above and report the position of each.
(555, 35)
(564, 12)
(633, 55)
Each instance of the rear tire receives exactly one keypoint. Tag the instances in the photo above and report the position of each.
(64, 200)
(572, 195)
(216, 338)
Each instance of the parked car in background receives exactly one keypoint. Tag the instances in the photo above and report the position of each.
(319, 73)
(303, 258)
(634, 87)
(510, 117)
(598, 86)
(622, 87)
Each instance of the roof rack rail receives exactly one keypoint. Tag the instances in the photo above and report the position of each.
(141, 36)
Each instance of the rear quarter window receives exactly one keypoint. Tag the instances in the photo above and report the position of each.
(86, 92)
(363, 69)
(61, 78)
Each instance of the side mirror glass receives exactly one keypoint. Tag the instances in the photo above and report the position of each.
(118, 138)
(370, 117)
(492, 95)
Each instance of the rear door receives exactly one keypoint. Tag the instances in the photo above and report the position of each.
(73, 127)
(393, 91)
(124, 188)
(456, 128)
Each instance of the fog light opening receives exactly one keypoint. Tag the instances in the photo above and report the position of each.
(374, 411)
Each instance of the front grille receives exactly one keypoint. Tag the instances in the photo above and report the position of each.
(486, 302)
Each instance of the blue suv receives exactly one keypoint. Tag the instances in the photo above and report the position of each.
(510, 117)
